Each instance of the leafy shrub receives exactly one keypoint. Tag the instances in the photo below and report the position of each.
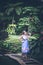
(11, 44)
(11, 29)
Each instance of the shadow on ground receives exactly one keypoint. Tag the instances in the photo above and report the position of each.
(7, 61)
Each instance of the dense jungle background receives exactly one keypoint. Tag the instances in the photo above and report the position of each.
(19, 15)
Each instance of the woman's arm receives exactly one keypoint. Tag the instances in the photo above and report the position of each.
(20, 38)
(29, 35)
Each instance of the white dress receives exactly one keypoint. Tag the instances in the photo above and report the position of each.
(25, 44)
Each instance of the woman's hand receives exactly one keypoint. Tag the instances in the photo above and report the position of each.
(29, 34)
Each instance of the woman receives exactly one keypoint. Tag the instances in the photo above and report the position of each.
(25, 43)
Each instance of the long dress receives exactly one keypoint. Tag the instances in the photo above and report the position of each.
(25, 44)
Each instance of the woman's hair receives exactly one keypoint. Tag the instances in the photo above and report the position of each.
(24, 32)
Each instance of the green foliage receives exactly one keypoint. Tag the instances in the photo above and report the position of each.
(32, 24)
(24, 20)
(11, 29)
(31, 20)
(31, 10)
(11, 44)
(9, 10)
(18, 10)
